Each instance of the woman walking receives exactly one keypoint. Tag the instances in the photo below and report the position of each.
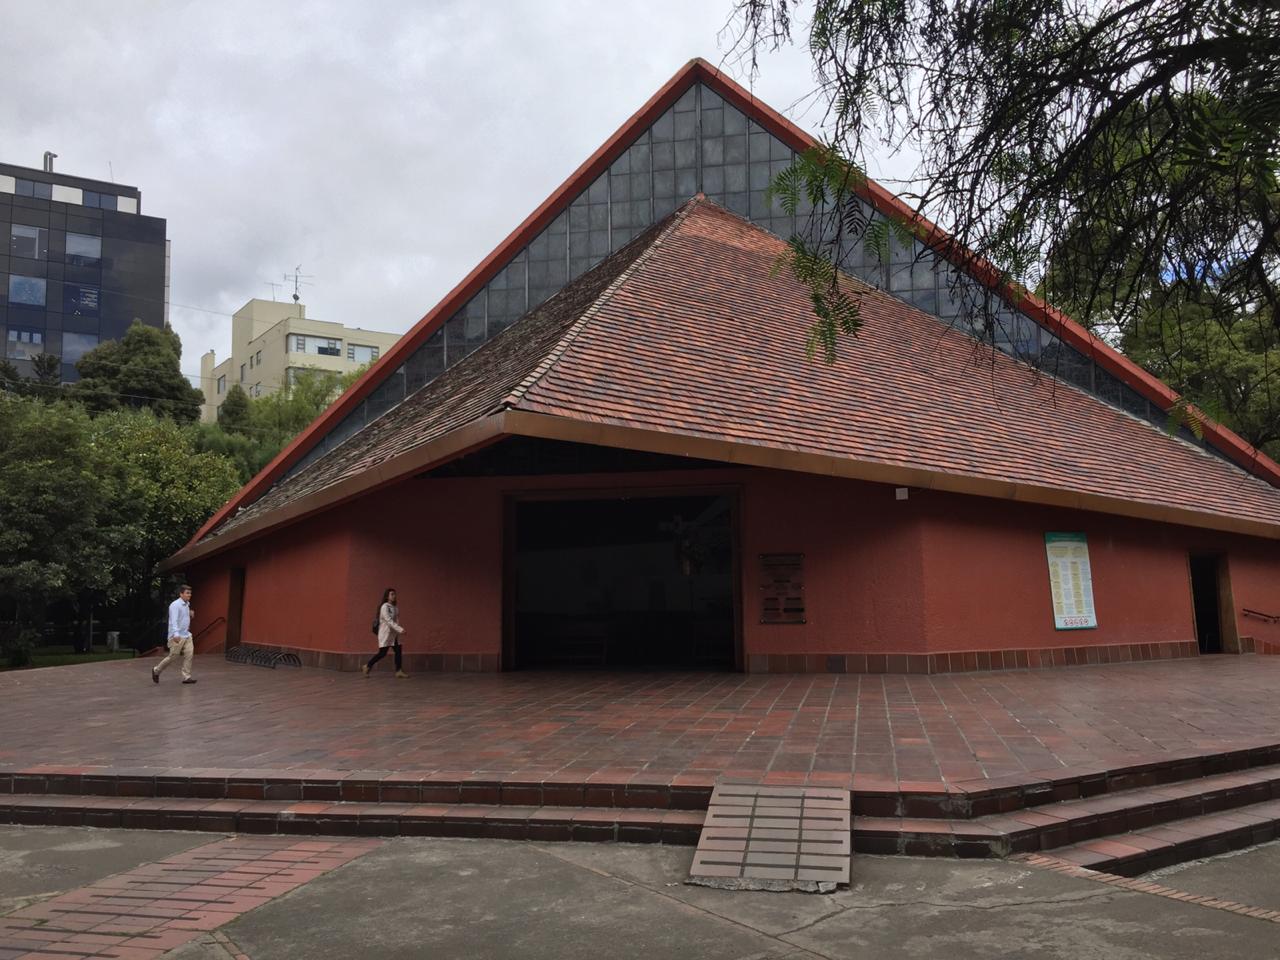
(389, 633)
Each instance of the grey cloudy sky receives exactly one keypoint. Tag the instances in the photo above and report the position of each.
(385, 146)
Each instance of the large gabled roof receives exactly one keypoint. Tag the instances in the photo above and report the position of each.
(689, 341)
(699, 71)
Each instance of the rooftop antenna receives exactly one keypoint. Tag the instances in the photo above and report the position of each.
(299, 279)
(274, 287)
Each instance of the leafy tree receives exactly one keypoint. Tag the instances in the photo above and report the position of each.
(139, 370)
(244, 449)
(250, 432)
(10, 378)
(233, 414)
(160, 491)
(51, 498)
(91, 504)
(1156, 121)
(46, 369)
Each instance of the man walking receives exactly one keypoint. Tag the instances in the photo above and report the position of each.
(180, 641)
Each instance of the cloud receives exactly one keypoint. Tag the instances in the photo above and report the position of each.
(386, 147)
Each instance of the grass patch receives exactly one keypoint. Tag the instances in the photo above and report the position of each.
(64, 656)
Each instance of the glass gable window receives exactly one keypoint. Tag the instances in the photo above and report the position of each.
(25, 344)
(26, 291)
(79, 300)
(29, 242)
(701, 143)
(359, 353)
(84, 251)
(76, 345)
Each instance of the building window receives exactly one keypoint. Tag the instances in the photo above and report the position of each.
(257, 389)
(29, 242)
(76, 345)
(259, 356)
(222, 384)
(31, 188)
(251, 361)
(359, 353)
(320, 346)
(84, 251)
(79, 300)
(242, 373)
(25, 344)
(26, 291)
(106, 201)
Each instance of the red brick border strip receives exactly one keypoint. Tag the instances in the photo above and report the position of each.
(151, 909)
(1046, 862)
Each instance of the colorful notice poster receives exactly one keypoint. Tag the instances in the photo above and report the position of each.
(1070, 581)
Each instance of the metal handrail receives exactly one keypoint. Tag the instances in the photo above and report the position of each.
(1269, 617)
(209, 626)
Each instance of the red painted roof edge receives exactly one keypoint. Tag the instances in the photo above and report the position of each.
(696, 70)
(1152, 388)
(485, 271)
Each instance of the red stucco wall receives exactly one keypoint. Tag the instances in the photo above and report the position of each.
(933, 573)
(987, 577)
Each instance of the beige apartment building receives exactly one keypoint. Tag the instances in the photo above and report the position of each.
(271, 341)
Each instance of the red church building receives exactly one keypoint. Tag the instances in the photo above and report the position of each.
(608, 448)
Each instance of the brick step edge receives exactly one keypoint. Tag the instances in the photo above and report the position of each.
(871, 796)
(971, 799)
(340, 787)
(1071, 821)
(1132, 854)
(600, 824)
(1005, 836)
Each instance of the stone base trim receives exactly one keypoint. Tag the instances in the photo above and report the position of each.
(970, 660)
(413, 662)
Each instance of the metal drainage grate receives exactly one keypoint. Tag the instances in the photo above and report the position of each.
(774, 838)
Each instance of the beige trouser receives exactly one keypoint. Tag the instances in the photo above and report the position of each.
(179, 645)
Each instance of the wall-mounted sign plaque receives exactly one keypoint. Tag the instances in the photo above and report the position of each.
(782, 588)
(1070, 581)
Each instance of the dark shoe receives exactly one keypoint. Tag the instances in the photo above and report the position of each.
(155, 677)
(189, 680)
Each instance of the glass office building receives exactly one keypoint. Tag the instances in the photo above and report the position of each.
(79, 262)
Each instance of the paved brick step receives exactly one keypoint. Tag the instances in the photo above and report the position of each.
(979, 798)
(318, 818)
(1070, 821)
(370, 786)
(1137, 852)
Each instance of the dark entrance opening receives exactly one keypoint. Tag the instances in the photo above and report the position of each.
(624, 582)
(235, 607)
(1205, 599)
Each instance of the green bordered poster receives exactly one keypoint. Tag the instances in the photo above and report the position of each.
(1070, 581)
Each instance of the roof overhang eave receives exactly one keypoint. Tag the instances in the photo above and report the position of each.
(456, 443)
(551, 427)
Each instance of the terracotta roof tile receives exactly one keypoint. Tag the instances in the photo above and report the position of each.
(689, 330)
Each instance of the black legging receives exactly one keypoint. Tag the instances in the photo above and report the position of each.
(382, 652)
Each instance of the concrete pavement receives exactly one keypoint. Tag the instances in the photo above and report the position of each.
(496, 899)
